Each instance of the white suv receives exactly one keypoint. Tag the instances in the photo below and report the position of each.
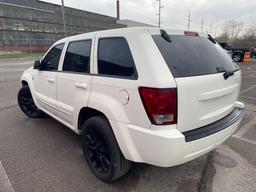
(161, 97)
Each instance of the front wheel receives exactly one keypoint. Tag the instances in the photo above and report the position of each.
(102, 151)
(27, 104)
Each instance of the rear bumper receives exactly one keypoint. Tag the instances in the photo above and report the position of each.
(166, 148)
(215, 127)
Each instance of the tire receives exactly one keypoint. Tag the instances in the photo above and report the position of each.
(102, 151)
(27, 104)
(238, 57)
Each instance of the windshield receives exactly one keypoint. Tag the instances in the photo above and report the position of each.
(192, 55)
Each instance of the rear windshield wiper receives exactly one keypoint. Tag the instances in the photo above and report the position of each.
(227, 73)
(165, 35)
(211, 39)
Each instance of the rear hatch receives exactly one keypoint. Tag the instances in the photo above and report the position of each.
(198, 65)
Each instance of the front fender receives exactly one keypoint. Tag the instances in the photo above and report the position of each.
(27, 76)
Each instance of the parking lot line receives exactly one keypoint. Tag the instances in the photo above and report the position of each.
(244, 139)
(248, 89)
(247, 97)
(242, 131)
(8, 104)
(5, 184)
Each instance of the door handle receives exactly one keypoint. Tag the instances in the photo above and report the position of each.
(51, 80)
(81, 85)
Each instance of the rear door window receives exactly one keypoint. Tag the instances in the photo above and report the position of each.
(193, 55)
(115, 58)
(77, 58)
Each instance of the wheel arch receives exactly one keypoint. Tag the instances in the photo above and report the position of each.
(24, 83)
(26, 80)
(238, 51)
(85, 113)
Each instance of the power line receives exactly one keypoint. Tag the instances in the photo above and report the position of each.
(159, 12)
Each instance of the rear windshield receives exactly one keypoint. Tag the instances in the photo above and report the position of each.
(192, 55)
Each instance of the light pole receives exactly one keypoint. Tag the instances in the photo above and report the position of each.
(63, 17)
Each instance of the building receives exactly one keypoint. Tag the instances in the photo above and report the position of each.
(131, 23)
(33, 25)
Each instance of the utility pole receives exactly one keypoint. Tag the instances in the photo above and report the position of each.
(189, 19)
(117, 9)
(159, 12)
(211, 28)
(202, 25)
(63, 17)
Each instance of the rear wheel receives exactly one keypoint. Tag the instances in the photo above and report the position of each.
(101, 150)
(27, 104)
(238, 57)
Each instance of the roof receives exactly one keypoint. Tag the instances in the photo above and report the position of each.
(124, 31)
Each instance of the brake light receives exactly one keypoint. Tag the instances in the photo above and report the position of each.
(190, 33)
(160, 105)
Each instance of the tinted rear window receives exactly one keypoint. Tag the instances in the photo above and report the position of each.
(192, 55)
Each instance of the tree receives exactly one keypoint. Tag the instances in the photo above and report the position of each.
(251, 32)
(231, 30)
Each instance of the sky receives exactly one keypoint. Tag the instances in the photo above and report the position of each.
(174, 12)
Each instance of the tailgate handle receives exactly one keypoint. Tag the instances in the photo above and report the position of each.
(81, 85)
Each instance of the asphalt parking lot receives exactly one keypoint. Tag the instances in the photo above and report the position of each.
(42, 155)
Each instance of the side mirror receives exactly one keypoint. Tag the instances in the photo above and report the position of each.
(37, 64)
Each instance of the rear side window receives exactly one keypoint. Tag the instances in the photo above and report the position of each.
(115, 58)
(51, 60)
(77, 58)
(192, 55)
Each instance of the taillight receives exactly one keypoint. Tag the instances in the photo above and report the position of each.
(160, 105)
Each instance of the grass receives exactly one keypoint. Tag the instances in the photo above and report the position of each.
(16, 55)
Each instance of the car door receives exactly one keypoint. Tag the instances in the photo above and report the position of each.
(45, 79)
(74, 80)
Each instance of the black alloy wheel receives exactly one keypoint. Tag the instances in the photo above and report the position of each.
(102, 151)
(27, 104)
(98, 152)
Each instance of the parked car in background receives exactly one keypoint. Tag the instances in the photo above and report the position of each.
(137, 95)
(237, 53)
